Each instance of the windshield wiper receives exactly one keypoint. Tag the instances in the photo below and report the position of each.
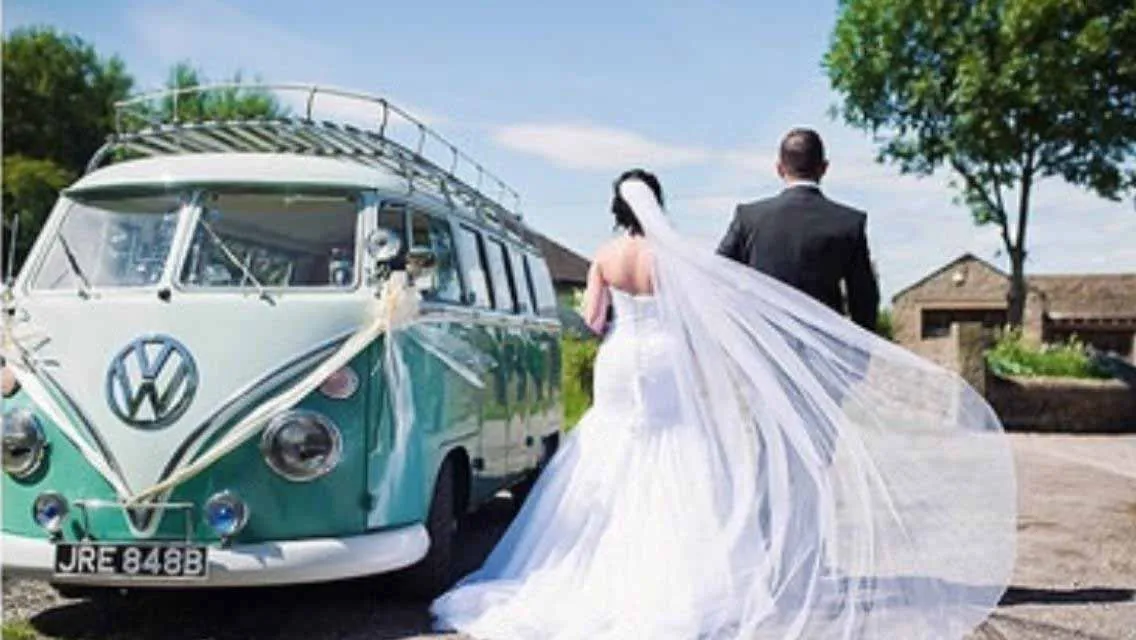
(84, 283)
(263, 293)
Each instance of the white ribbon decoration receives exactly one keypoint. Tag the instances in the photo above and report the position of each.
(397, 307)
(46, 403)
(21, 360)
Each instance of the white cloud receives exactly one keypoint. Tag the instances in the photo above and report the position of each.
(216, 35)
(213, 35)
(582, 146)
(750, 160)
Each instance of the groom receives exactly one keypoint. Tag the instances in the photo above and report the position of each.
(806, 240)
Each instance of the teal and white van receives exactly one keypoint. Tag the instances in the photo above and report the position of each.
(161, 422)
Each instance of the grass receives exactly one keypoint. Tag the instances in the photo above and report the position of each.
(1013, 356)
(19, 630)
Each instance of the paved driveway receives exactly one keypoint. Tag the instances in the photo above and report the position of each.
(1075, 580)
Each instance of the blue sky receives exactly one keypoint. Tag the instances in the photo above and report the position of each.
(558, 98)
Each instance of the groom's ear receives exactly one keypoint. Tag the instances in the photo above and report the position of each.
(780, 169)
(823, 170)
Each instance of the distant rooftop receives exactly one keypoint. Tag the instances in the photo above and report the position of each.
(568, 268)
(1097, 295)
(1084, 295)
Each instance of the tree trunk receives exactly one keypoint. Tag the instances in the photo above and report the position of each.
(1016, 298)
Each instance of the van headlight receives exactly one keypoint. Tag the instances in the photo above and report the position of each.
(226, 514)
(24, 443)
(301, 445)
(49, 511)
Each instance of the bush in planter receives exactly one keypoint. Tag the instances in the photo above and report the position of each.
(1012, 356)
(579, 354)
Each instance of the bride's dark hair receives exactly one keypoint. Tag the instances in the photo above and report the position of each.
(624, 216)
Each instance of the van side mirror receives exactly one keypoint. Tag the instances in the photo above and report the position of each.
(383, 245)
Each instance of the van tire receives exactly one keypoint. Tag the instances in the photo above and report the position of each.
(434, 573)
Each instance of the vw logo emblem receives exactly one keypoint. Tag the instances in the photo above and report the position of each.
(151, 382)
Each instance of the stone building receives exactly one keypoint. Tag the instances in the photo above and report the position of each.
(1099, 309)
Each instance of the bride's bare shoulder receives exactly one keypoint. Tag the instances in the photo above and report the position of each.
(608, 249)
(621, 244)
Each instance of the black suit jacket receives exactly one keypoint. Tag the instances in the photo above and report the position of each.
(812, 243)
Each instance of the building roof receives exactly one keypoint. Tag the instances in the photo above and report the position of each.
(966, 257)
(1088, 295)
(566, 266)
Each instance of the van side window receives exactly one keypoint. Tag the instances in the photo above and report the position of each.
(432, 234)
(504, 296)
(521, 279)
(473, 257)
(542, 286)
(529, 282)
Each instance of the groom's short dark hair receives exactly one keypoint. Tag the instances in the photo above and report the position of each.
(802, 154)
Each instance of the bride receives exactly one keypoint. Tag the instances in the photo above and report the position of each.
(754, 466)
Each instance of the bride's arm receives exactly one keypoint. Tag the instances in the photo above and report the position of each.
(596, 300)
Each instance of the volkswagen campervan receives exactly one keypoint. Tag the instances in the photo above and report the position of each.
(161, 422)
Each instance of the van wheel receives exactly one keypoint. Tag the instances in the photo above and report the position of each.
(435, 572)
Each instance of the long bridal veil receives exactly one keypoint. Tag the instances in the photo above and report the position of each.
(861, 490)
(809, 480)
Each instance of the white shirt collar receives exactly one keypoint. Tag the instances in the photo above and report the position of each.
(789, 184)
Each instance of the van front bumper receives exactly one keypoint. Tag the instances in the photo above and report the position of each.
(268, 563)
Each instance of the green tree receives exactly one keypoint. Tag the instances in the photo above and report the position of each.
(1002, 93)
(59, 96)
(31, 186)
(58, 105)
(230, 102)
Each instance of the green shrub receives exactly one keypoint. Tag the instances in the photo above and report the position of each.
(1012, 356)
(885, 325)
(19, 630)
(579, 356)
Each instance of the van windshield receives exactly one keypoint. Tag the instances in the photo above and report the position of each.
(111, 242)
(274, 239)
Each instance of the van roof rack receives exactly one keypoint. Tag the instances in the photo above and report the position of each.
(147, 125)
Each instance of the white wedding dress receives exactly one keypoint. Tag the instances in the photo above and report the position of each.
(753, 466)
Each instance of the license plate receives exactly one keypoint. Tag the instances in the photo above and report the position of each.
(131, 561)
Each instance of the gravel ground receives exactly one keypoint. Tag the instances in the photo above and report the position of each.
(1075, 579)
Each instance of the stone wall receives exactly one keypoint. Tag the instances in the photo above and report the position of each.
(1042, 404)
(1063, 404)
(941, 351)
